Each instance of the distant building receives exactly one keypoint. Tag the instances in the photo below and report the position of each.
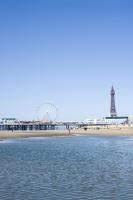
(8, 120)
(114, 118)
(96, 122)
(112, 106)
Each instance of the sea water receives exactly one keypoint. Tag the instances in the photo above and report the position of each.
(67, 168)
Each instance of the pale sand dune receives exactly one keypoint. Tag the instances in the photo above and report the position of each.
(125, 131)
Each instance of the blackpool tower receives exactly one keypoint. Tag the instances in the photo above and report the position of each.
(112, 107)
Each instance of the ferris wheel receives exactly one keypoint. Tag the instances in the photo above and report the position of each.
(47, 112)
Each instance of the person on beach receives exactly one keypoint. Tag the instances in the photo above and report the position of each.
(68, 128)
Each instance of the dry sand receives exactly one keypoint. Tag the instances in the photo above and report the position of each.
(113, 131)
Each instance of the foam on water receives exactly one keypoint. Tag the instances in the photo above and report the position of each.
(6, 141)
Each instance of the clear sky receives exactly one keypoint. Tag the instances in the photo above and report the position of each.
(68, 53)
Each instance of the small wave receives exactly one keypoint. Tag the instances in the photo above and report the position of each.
(36, 138)
(5, 141)
(78, 134)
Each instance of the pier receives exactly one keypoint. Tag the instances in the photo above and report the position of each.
(13, 125)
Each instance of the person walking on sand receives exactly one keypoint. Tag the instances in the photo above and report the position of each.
(68, 128)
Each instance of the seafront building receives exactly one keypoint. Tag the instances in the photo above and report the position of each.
(112, 119)
(113, 112)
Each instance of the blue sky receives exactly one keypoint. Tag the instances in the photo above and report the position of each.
(68, 53)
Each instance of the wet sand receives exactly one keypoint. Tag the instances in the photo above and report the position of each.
(124, 131)
(27, 134)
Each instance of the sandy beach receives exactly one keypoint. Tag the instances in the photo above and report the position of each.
(27, 134)
(113, 131)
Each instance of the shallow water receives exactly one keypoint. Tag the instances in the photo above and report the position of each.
(68, 168)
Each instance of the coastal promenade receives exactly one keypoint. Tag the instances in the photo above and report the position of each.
(110, 131)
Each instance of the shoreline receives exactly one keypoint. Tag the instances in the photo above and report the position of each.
(28, 134)
(126, 131)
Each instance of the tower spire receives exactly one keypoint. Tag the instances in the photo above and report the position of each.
(112, 107)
